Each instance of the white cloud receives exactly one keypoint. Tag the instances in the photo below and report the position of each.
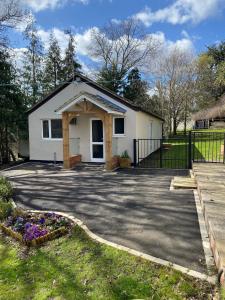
(185, 34)
(83, 40)
(115, 21)
(38, 5)
(60, 35)
(166, 45)
(83, 44)
(184, 44)
(182, 11)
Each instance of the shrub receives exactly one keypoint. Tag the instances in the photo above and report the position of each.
(6, 209)
(125, 154)
(6, 190)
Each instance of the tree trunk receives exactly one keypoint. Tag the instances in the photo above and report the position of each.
(185, 123)
(174, 126)
(12, 155)
(6, 145)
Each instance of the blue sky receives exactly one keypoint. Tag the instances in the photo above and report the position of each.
(189, 24)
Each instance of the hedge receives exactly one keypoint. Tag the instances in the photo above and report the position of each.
(6, 190)
(6, 209)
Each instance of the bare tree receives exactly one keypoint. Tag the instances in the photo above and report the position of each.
(176, 87)
(122, 47)
(10, 14)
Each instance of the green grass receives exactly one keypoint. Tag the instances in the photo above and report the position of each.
(222, 293)
(202, 130)
(76, 267)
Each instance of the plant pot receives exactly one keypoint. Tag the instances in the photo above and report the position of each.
(125, 162)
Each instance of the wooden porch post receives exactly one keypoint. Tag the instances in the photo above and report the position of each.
(66, 152)
(108, 140)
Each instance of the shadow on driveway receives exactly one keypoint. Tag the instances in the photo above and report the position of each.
(134, 208)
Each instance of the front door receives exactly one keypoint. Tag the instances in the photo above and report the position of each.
(97, 140)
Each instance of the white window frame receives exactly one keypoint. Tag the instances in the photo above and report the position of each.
(49, 130)
(97, 143)
(119, 134)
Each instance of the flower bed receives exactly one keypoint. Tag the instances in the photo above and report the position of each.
(35, 228)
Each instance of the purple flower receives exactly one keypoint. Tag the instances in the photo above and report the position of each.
(34, 232)
(27, 225)
(42, 221)
(19, 219)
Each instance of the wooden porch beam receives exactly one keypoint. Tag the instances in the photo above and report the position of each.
(66, 151)
(108, 140)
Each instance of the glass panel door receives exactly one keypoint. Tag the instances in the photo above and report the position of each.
(97, 141)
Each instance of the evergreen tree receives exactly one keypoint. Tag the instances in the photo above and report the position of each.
(70, 63)
(112, 79)
(32, 71)
(135, 88)
(53, 66)
(217, 52)
(12, 109)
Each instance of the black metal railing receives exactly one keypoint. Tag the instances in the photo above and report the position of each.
(208, 147)
(180, 151)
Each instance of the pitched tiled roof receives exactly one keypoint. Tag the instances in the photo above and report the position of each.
(98, 87)
(103, 102)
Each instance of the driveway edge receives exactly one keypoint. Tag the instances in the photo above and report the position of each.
(210, 263)
(93, 236)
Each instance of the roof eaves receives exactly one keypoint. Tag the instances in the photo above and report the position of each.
(90, 82)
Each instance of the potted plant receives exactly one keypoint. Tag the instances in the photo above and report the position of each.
(124, 160)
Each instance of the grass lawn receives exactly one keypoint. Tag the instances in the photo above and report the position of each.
(76, 267)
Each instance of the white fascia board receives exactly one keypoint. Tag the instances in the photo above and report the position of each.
(82, 98)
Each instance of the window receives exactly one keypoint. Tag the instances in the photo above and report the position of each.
(45, 129)
(56, 129)
(52, 129)
(118, 126)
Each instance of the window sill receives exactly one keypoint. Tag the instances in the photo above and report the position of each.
(50, 139)
(119, 135)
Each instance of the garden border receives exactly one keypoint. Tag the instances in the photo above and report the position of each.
(35, 242)
(166, 263)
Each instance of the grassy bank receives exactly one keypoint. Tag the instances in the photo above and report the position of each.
(76, 267)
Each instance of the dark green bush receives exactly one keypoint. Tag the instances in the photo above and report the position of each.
(6, 209)
(6, 190)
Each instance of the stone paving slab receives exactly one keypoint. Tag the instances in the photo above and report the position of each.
(211, 187)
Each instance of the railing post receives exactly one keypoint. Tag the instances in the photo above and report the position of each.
(193, 147)
(224, 149)
(161, 153)
(135, 152)
(190, 150)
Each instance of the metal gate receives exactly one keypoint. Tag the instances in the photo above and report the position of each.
(208, 146)
(180, 151)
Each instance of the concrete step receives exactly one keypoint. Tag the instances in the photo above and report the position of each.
(184, 183)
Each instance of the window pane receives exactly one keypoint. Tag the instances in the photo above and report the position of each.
(45, 129)
(97, 131)
(97, 151)
(119, 125)
(56, 129)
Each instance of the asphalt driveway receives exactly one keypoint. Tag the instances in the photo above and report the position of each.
(134, 208)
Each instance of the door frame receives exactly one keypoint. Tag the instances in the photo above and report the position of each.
(97, 143)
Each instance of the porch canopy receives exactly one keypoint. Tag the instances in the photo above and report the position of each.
(97, 106)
